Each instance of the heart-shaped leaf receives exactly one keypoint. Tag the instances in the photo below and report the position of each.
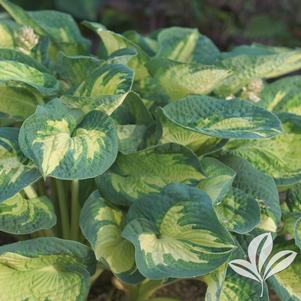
(260, 187)
(176, 233)
(102, 226)
(16, 171)
(66, 144)
(22, 216)
(46, 269)
(138, 174)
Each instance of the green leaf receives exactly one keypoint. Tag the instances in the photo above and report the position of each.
(286, 284)
(60, 27)
(293, 198)
(186, 45)
(246, 67)
(278, 157)
(66, 144)
(283, 95)
(22, 216)
(179, 80)
(139, 174)
(254, 186)
(222, 118)
(14, 73)
(176, 233)
(46, 269)
(102, 226)
(76, 69)
(16, 171)
(297, 232)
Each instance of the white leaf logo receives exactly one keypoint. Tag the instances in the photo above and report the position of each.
(260, 267)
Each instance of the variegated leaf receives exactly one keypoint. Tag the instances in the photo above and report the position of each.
(22, 216)
(17, 56)
(238, 288)
(215, 282)
(176, 233)
(186, 45)
(170, 132)
(76, 69)
(283, 95)
(277, 157)
(237, 209)
(133, 120)
(139, 174)
(108, 79)
(260, 187)
(222, 118)
(16, 171)
(179, 80)
(102, 226)
(66, 144)
(286, 284)
(17, 103)
(46, 269)
(113, 42)
(246, 67)
(218, 181)
(15, 73)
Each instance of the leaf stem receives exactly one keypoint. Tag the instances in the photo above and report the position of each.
(97, 273)
(30, 192)
(75, 210)
(262, 283)
(62, 202)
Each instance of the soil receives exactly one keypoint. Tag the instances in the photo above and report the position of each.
(184, 290)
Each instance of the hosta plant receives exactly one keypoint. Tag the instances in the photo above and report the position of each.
(155, 157)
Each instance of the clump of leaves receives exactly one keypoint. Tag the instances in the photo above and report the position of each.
(158, 159)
